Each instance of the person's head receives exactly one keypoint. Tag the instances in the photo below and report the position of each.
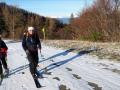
(31, 30)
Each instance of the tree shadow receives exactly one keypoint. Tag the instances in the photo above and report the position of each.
(13, 71)
(60, 63)
(58, 54)
(53, 65)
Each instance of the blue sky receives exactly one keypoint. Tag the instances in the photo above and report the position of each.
(51, 8)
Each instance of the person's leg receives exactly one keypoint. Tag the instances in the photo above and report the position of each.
(31, 65)
(1, 70)
(4, 62)
(34, 63)
(5, 65)
(36, 59)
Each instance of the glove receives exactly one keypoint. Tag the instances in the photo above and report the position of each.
(40, 50)
(27, 52)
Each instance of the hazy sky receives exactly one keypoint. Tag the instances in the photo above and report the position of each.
(51, 8)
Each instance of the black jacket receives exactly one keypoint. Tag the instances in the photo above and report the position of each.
(2, 44)
(31, 43)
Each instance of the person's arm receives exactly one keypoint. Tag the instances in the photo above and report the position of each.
(39, 43)
(4, 45)
(24, 43)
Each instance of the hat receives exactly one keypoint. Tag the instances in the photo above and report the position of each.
(30, 28)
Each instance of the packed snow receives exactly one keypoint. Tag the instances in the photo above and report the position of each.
(61, 69)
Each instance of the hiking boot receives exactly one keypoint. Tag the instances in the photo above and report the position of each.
(7, 71)
(39, 75)
(1, 78)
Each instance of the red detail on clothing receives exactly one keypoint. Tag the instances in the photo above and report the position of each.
(3, 51)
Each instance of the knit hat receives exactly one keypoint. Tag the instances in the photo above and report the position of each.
(30, 28)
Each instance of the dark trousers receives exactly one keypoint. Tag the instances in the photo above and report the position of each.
(1, 70)
(4, 63)
(33, 62)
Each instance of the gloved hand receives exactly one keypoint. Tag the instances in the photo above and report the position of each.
(40, 51)
(27, 52)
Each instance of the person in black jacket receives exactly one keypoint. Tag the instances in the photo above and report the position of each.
(31, 44)
(3, 55)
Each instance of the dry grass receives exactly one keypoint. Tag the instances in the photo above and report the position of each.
(107, 50)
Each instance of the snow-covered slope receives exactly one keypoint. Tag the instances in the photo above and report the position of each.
(62, 69)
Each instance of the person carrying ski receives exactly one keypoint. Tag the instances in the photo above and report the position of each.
(3, 55)
(31, 43)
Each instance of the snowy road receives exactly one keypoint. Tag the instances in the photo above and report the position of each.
(62, 69)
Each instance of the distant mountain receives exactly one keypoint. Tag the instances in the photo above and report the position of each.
(64, 20)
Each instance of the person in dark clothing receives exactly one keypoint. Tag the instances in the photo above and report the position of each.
(3, 55)
(31, 44)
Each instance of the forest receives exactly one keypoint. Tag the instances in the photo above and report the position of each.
(98, 22)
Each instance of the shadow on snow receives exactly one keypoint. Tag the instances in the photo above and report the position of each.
(53, 65)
